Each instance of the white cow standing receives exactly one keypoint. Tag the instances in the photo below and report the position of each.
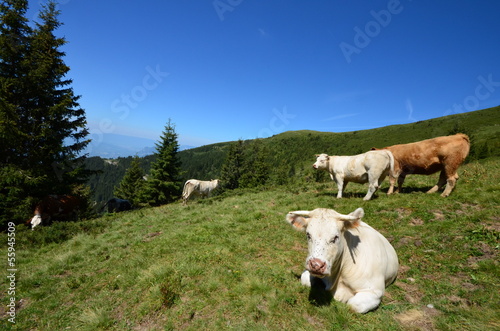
(199, 188)
(354, 261)
(370, 167)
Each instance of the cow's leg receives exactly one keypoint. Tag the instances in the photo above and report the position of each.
(393, 177)
(401, 180)
(441, 182)
(340, 186)
(392, 183)
(364, 302)
(450, 184)
(372, 187)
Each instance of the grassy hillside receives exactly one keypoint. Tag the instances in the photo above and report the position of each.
(232, 262)
(298, 148)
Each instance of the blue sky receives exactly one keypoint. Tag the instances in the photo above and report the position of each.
(239, 69)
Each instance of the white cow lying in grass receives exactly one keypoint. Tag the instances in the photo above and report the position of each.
(371, 167)
(354, 261)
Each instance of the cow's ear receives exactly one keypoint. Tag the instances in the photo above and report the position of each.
(352, 220)
(298, 219)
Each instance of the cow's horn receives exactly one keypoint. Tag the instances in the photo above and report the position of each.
(357, 214)
(304, 213)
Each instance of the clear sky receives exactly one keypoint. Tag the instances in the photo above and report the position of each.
(239, 69)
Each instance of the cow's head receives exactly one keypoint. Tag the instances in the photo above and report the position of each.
(321, 162)
(36, 220)
(324, 229)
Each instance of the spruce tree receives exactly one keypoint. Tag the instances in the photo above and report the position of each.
(232, 168)
(14, 36)
(255, 168)
(164, 183)
(42, 127)
(55, 122)
(14, 180)
(132, 184)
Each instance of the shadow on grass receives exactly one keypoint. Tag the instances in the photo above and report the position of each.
(351, 195)
(318, 296)
(416, 189)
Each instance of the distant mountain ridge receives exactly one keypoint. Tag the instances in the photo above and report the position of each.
(112, 146)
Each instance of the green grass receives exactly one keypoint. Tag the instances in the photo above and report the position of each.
(232, 262)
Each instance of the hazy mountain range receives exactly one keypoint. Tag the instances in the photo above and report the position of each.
(111, 146)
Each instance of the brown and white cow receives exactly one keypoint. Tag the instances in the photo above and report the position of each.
(429, 156)
(59, 207)
(370, 167)
(198, 187)
(353, 260)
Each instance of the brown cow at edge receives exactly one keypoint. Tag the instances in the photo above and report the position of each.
(429, 156)
(59, 207)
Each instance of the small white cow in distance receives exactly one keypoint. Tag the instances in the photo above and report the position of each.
(363, 168)
(354, 261)
(198, 187)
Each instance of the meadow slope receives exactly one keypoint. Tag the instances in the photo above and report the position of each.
(232, 262)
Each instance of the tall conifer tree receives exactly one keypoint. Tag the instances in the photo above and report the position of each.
(164, 183)
(42, 127)
(14, 37)
(55, 122)
(14, 44)
(232, 168)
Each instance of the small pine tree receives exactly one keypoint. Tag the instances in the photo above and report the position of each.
(164, 183)
(232, 168)
(132, 184)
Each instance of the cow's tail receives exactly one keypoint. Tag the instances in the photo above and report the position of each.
(185, 191)
(466, 145)
(391, 162)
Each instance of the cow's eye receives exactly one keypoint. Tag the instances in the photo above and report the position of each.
(334, 240)
(308, 236)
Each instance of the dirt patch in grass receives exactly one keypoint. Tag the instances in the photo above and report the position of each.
(413, 294)
(418, 319)
(438, 215)
(154, 321)
(403, 212)
(407, 240)
(150, 236)
(488, 253)
(495, 226)
(416, 221)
